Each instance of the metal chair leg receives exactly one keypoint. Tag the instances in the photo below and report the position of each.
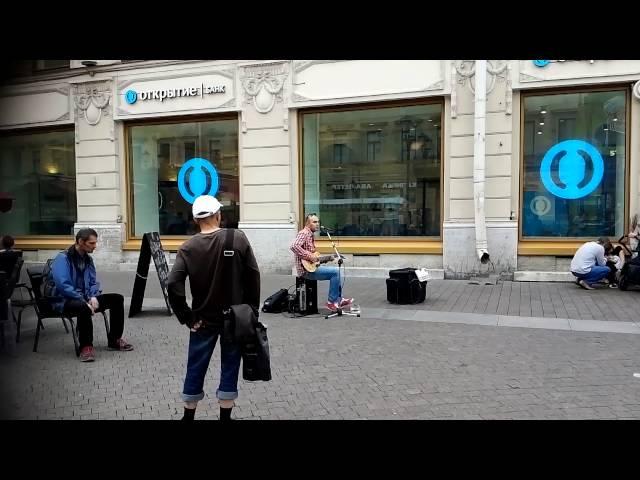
(66, 329)
(35, 341)
(18, 324)
(76, 342)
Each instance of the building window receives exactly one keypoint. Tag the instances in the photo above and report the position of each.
(574, 164)
(38, 171)
(374, 171)
(158, 153)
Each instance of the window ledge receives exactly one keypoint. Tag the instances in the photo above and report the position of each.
(378, 245)
(44, 243)
(566, 248)
(168, 244)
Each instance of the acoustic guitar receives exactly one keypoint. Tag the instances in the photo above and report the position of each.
(313, 266)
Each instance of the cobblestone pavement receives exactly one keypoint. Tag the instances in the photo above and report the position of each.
(376, 366)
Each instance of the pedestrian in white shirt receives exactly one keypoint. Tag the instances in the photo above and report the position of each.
(589, 264)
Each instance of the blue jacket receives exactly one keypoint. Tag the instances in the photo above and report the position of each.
(64, 274)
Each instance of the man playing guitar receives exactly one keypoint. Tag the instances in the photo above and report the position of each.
(304, 248)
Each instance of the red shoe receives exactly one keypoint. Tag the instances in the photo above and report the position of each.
(345, 302)
(332, 307)
(87, 354)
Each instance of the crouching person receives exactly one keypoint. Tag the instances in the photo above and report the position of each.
(589, 264)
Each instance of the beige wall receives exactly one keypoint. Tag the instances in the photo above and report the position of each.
(268, 132)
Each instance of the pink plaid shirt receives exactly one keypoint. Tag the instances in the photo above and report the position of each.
(303, 247)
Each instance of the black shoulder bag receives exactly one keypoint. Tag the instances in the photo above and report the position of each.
(242, 325)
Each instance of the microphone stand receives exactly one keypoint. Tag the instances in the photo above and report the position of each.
(339, 311)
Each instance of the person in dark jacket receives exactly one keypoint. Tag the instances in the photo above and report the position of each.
(74, 275)
(201, 259)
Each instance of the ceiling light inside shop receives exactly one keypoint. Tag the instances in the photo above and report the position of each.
(543, 110)
(539, 132)
(606, 129)
(615, 119)
(541, 123)
(430, 120)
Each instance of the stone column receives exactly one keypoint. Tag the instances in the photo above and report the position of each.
(266, 165)
(97, 169)
(459, 257)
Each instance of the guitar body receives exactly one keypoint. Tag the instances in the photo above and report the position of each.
(313, 266)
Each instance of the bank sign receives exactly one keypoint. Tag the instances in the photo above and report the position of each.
(175, 95)
(132, 96)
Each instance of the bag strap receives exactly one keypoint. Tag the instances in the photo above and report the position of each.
(227, 265)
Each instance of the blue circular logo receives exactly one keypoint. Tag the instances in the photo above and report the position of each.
(131, 97)
(572, 169)
(192, 179)
(541, 63)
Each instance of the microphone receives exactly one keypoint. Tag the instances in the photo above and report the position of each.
(322, 227)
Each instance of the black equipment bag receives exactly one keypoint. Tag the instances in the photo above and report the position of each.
(277, 303)
(404, 287)
(251, 338)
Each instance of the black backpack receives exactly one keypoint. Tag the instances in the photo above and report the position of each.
(277, 303)
(48, 286)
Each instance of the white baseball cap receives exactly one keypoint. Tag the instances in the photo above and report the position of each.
(205, 206)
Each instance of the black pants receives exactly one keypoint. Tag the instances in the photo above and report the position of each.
(114, 302)
(612, 276)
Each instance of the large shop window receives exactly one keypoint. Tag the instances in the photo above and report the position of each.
(374, 171)
(38, 172)
(172, 163)
(574, 164)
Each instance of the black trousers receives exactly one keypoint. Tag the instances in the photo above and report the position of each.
(114, 302)
(612, 276)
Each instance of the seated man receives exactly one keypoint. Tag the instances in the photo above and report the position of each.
(74, 275)
(304, 248)
(589, 264)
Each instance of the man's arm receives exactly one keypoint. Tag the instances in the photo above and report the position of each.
(62, 279)
(296, 247)
(94, 285)
(177, 297)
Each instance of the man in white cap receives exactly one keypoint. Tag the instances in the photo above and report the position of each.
(201, 258)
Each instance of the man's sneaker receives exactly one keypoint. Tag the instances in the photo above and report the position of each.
(345, 302)
(585, 285)
(87, 354)
(332, 306)
(121, 345)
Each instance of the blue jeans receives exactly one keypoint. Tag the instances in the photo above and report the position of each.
(597, 273)
(201, 345)
(332, 274)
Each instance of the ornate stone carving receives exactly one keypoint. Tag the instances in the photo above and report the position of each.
(264, 85)
(92, 100)
(464, 71)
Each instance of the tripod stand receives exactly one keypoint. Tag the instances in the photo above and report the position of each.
(340, 312)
